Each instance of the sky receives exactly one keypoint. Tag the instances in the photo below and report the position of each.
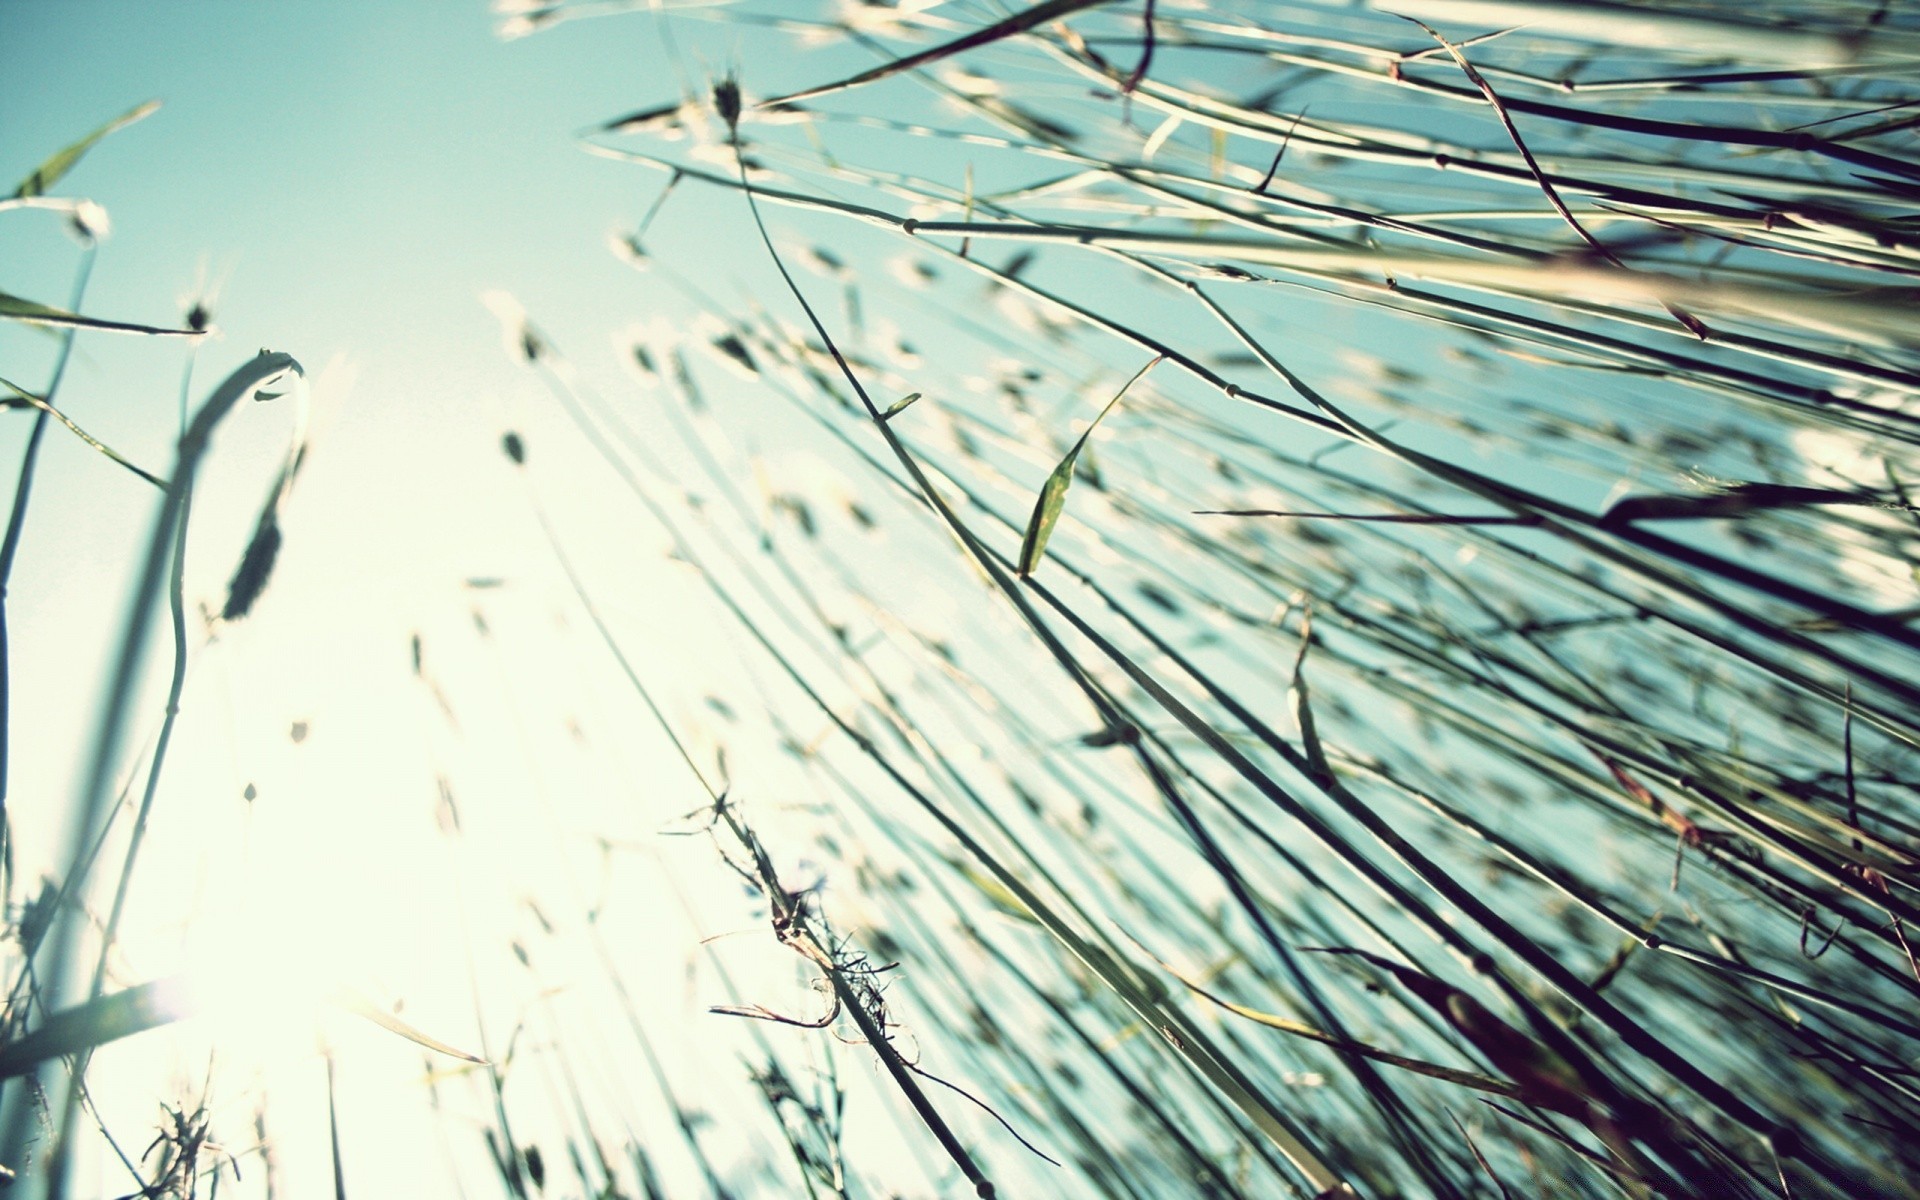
(330, 175)
(341, 182)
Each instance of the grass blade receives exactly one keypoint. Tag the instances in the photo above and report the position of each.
(1020, 22)
(1053, 494)
(104, 1019)
(14, 308)
(359, 1006)
(50, 172)
(23, 397)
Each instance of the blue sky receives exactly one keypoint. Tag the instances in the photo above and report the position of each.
(360, 167)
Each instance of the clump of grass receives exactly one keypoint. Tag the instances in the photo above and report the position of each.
(1562, 372)
(1449, 731)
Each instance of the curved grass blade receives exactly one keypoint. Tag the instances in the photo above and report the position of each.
(50, 172)
(359, 1006)
(1053, 494)
(1552, 194)
(22, 397)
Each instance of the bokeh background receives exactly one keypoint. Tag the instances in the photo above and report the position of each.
(589, 529)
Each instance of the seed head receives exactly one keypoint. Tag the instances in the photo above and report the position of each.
(726, 100)
(250, 579)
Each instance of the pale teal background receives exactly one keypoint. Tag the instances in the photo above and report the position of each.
(342, 180)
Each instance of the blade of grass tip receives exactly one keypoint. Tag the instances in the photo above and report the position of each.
(14, 308)
(247, 379)
(51, 171)
(1281, 153)
(1020, 22)
(644, 120)
(44, 405)
(247, 585)
(359, 1006)
(1053, 494)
